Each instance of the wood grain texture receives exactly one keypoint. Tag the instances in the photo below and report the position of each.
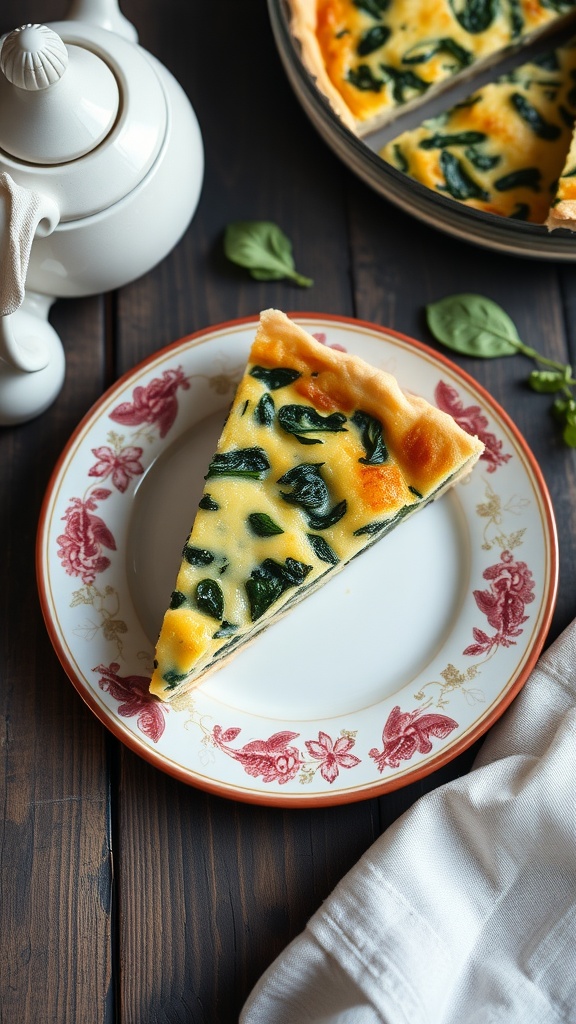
(127, 896)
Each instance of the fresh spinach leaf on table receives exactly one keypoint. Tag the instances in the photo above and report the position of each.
(263, 249)
(474, 325)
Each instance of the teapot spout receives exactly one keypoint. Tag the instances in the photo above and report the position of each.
(25, 393)
(103, 14)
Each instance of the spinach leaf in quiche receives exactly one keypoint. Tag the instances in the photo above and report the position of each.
(310, 492)
(383, 526)
(322, 549)
(210, 599)
(375, 8)
(263, 249)
(373, 39)
(527, 177)
(481, 161)
(263, 525)
(208, 504)
(265, 410)
(364, 79)
(520, 212)
(533, 118)
(422, 52)
(247, 462)
(197, 556)
(268, 581)
(474, 15)
(404, 83)
(371, 433)
(226, 629)
(276, 377)
(459, 183)
(177, 599)
(304, 419)
(441, 141)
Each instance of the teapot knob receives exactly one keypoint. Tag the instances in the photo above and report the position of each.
(33, 57)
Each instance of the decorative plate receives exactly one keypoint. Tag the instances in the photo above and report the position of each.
(393, 668)
(503, 234)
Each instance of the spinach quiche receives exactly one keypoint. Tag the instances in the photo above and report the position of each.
(503, 149)
(320, 456)
(373, 59)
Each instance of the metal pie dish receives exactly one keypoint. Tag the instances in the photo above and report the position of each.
(491, 231)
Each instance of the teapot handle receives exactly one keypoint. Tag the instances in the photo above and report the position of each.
(23, 215)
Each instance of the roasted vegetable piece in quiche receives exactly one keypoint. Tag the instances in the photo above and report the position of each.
(373, 59)
(503, 149)
(320, 456)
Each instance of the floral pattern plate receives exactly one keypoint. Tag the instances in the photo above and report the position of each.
(393, 668)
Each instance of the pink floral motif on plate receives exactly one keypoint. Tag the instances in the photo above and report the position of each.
(503, 604)
(406, 733)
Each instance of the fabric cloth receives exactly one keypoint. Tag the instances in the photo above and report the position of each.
(464, 910)
(22, 211)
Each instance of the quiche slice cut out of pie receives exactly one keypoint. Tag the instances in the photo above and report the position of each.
(502, 150)
(374, 59)
(320, 456)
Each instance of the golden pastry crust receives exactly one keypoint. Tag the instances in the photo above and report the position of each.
(373, 59)
(321, 454)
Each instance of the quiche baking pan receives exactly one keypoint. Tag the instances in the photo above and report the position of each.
(362, 156)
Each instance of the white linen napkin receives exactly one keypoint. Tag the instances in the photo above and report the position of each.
(464, 910)
(22, 213)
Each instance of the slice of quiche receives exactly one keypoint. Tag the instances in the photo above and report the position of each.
(503, 149)
(562, 213)
(373, 59)
(320, 456)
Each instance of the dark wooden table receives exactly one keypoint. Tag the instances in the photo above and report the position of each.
(127, 896)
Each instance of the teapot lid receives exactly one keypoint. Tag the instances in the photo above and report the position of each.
(58, 101)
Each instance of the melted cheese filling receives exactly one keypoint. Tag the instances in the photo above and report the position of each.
(503, 150)
(380, 55)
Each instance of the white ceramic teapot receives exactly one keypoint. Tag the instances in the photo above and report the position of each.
(101, 166)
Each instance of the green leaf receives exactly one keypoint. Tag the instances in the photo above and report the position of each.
(322, 549)
(248, 462)
(197, 556)
(264, 411)
(263, 525)
(310, 492)
(569, 435)
(304, 419)
(263, 248)
(208, 504)
(275, 377)
(546, 381)
(371, 431)
(226, 629)
(210, 599)
(268, 581)
(474, 326)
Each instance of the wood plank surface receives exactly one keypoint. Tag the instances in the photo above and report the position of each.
(127, 896)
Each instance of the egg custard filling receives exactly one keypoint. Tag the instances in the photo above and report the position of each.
(321, 455)
(372, 59)
(504, 148)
